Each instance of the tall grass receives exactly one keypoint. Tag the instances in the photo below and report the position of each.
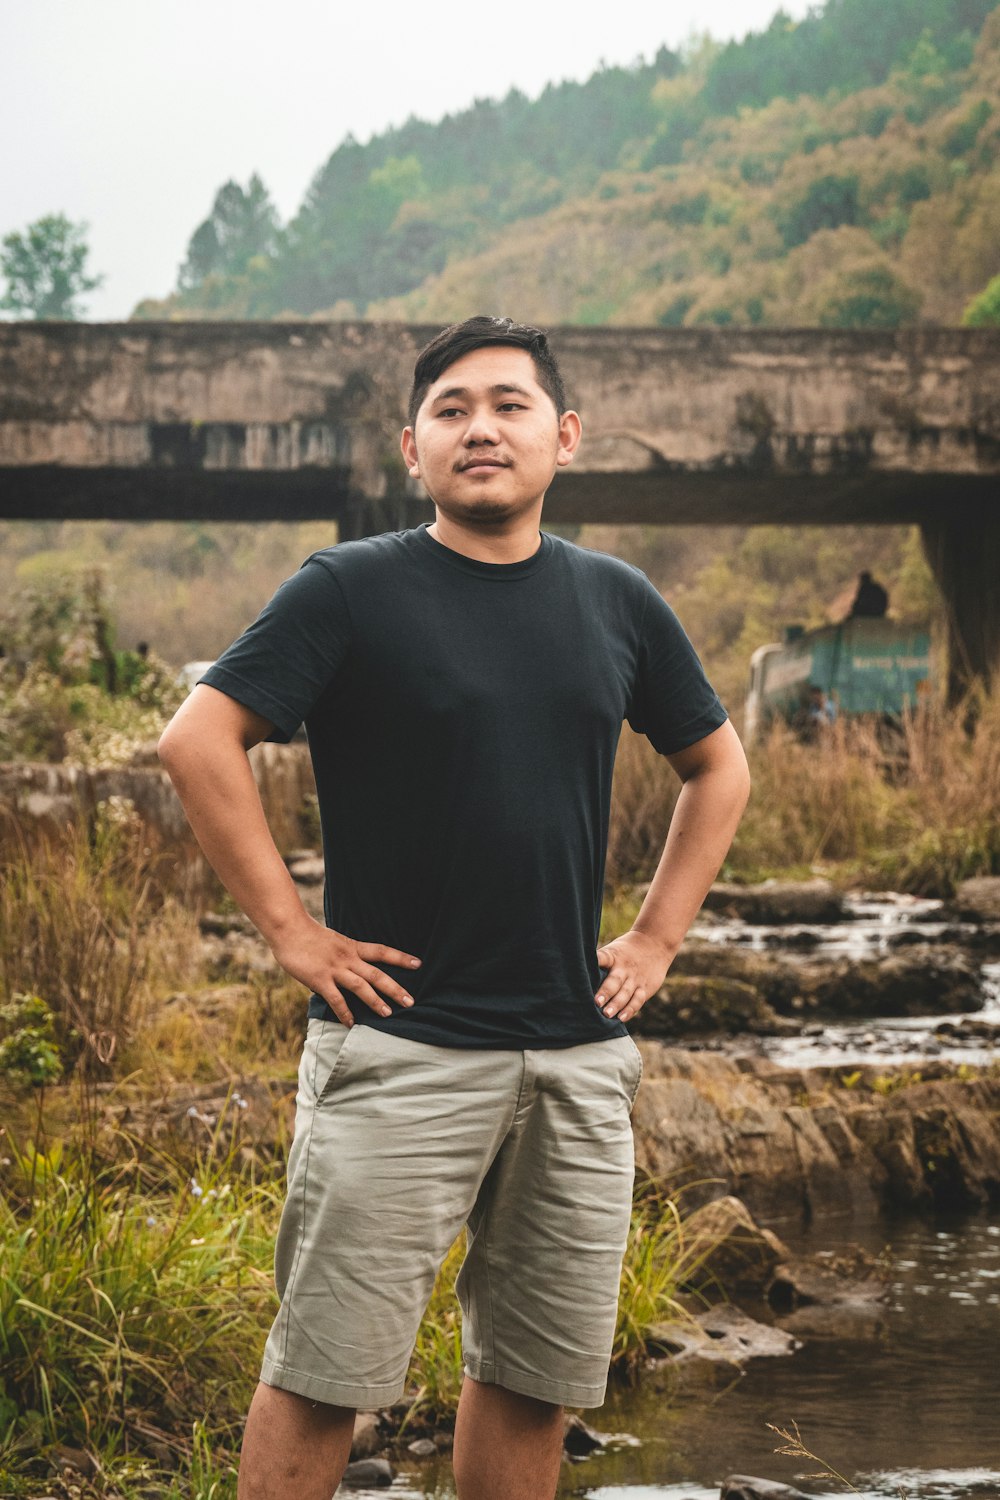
(919, 813)
(126, 1312)
(84, 924)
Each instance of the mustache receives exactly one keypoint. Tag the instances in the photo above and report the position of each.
(483, 458)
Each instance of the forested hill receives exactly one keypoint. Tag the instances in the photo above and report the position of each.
(840, 170)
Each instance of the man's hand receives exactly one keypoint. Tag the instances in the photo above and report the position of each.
(637, 965)
(323, 960)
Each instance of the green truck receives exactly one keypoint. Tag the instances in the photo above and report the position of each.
(863, 667)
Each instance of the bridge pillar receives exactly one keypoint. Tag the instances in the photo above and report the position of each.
(361, 516)
(963, 550)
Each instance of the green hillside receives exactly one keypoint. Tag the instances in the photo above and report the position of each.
(842, 170)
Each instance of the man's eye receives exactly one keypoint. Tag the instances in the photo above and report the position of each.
(511, 406)
(450, 411)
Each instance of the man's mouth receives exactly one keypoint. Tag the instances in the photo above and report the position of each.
(483, 463)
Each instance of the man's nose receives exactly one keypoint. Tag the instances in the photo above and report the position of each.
(482, 427)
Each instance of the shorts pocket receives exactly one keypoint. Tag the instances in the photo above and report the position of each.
(637, 1070)
(334, 1047)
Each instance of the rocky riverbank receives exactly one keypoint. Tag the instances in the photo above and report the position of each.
(798, 1144)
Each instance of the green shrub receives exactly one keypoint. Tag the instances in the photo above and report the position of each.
(29, 1054)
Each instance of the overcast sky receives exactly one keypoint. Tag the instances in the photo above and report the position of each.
(130, 114)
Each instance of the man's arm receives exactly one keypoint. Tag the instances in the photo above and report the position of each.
(204, 749)
(716, 785)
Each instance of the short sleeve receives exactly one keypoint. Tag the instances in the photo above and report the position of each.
(672, 702)
(283, 662)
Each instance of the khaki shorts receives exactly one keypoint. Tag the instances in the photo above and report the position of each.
(398, 1145)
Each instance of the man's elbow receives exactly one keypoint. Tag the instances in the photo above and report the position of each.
(170, 747)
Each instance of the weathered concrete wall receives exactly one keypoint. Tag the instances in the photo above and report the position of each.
(287, 420)
(43, 797)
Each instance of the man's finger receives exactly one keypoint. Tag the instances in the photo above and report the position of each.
(388, 986)
(611, 985)
(634, 1006)
(622, 997)
(337, 1004)
(379, 953)
(364, 991)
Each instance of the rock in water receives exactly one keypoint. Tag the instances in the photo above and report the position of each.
(779, 902)
(743, 1487)
(579, 1439)
(726, 1245)
(367, 1438)
(978, 900)
(368, 1473)
(722, 1334)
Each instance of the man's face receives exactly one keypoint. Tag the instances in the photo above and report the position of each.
(487, 438)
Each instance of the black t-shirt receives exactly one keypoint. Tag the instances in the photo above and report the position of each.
(463, 719)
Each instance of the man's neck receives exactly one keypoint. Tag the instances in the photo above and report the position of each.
(516, 544)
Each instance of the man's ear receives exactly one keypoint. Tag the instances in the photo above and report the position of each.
(408, 446)
(570, 431)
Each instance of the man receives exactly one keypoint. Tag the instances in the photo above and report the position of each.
(463, 686)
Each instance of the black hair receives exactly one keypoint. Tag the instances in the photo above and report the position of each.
(476, 333)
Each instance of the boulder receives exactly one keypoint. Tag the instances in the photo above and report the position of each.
(579, 1439)
(742, 1127)
(792, 1143)
(969, 1029)
(724, 1244)
(744, 1487)
(722, 1334)
(778, 902)
(922, 980)
(368, 1473)
(368, 1438)
(306, 869)
(693, 1006)
(977, 900)
(422, 1448)
(830, 1296)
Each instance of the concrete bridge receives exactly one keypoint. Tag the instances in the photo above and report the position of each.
(300, 420)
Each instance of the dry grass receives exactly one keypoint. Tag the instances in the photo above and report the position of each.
(85, 924)
(919, 813)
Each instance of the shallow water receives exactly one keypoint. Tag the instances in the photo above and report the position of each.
(877, 925)
(915, 1406)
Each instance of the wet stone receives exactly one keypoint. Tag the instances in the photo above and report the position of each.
(744, 1487)
(722, 1335)
(580, 1440)
(368, 1437)
(368, 1473)
(307, 869)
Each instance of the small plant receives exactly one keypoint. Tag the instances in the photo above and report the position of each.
(29, 1054)
(894, 1083)
(794, 1447)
